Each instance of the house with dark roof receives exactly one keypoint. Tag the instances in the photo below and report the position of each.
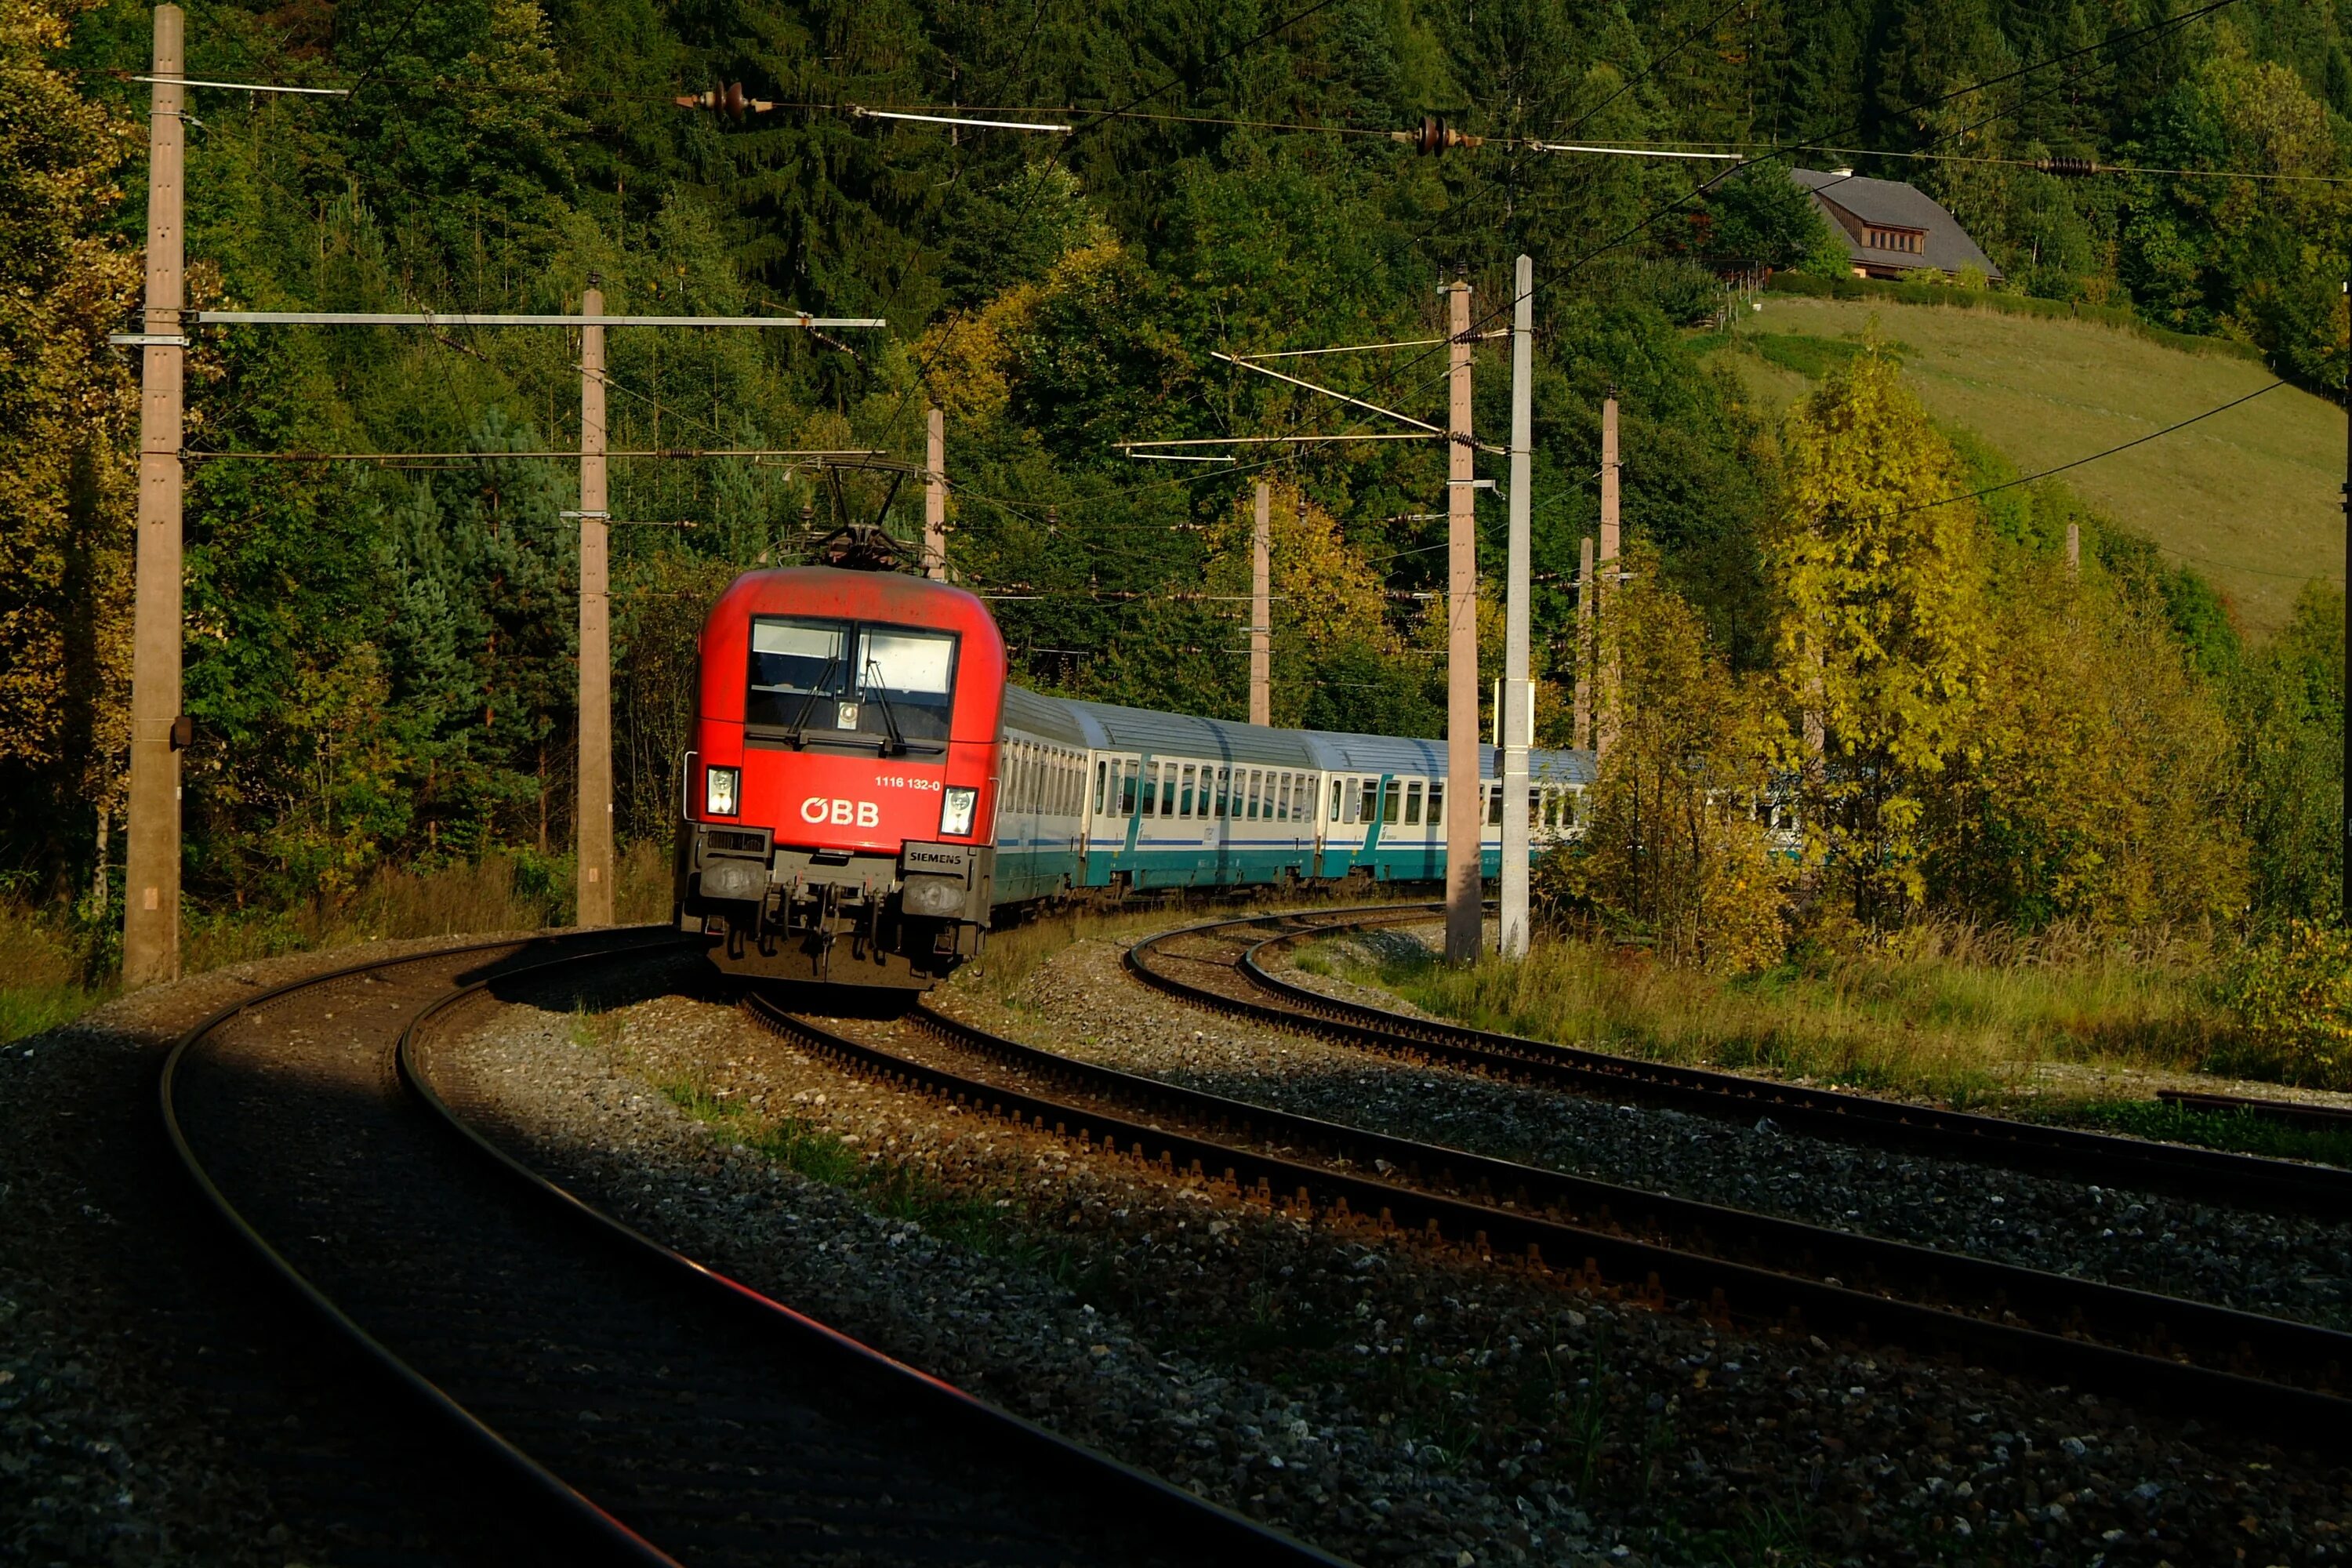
(1889, 228)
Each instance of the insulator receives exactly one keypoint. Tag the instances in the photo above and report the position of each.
(2067, 167)
(1434, 136)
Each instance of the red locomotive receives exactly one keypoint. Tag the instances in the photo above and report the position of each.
(839, 797)
(855, 733)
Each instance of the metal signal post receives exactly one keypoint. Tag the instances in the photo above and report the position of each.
(1515, 722)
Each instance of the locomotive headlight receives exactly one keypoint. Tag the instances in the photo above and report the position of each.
(721, 791)
(956, 806)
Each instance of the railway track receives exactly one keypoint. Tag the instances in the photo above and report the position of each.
(1220, 965)
(2283, 1379)
(622, 1402)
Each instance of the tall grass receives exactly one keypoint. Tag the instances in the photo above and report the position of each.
(43, 980)
(503, 891)
(1951, 1012)
(54, 966)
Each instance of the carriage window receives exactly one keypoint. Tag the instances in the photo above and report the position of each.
(1290, 790)
(1413, 804)
(1168, 789)
(1551, 808)
(1102, 774)
(1184, 797)
(1278, 805)
(1337, 789)
(1494, 804)
(1391, 799)
(1568, 798)
(1436, 802)
(1368, 799)
(1151, 789)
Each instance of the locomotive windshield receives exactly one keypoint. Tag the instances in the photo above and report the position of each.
(849, 682)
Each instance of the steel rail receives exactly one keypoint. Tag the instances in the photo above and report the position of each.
(2309, 1116)
(1719, 1288)
(594, 1535)
(1044, 1455)
(2205, 1175)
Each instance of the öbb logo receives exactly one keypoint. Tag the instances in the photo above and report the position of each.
(841, 812)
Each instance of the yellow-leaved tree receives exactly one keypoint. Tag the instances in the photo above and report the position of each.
(1328, 600)
(67, 412)
(1882, 634)
(1675, 850)
(2098, 783)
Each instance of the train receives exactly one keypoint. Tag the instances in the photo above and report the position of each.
(865, 792)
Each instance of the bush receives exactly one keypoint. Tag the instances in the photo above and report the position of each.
(1906, 292)
(2290, 997)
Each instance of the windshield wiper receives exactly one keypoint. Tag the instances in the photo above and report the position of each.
(890, 719)
(798, 732)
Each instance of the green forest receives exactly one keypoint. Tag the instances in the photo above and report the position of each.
(379, 653)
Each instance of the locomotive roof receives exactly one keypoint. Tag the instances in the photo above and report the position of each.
(832, 591)
(1104, 726)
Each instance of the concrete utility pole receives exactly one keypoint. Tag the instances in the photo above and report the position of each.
(1605, 730)
(1261, 630)
(1462, 905)
(1584, 673)
(151, 908)
(935, 497)
(595, 791)
(1516, 720)
(2343, 848)
(2075, 547)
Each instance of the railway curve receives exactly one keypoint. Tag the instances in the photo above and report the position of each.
(635, 1407)
(1236, 982)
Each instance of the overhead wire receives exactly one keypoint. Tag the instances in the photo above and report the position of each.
(2092, 457)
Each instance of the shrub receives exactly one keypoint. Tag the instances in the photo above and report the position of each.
(2290, 997)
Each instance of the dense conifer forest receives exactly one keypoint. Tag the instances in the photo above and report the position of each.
(379, 653)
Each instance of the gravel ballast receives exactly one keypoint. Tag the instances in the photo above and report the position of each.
(1391, 1400)
(156, 1405)
(2284, 1266)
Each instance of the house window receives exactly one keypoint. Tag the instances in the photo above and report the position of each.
(1909, 240)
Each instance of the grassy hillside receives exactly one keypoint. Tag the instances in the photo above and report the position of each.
(2250, 497)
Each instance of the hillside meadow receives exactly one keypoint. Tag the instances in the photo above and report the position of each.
(2249, 498)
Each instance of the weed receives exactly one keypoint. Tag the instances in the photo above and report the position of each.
(2239, 1132)
(898, 1188)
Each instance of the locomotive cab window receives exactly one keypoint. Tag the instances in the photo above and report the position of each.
(839, 682)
